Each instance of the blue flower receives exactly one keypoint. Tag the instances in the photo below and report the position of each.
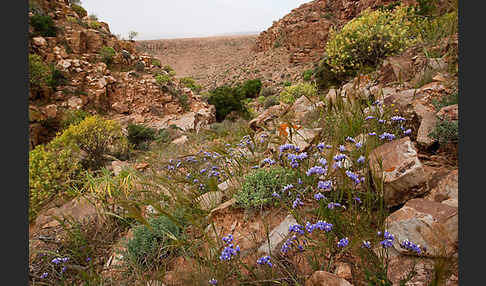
(276, 195)
(297, 228)
(228, 239)
(387, 135)
(299, 181)
(319, 196)
(339, 157)
(297, 203)
(381, 121)
(269, 161)
(358, 200)
(264, 260)
(397, 118)
(387, 243)
(213, 281)
(287, 245)
(369, 117)
(359, 145)
(332, 205)
(323, 162)
(44, 275)
(361, 159)
(324, 185)
(406, 244)
(288, 187)
(407, 132)
(366, 244)
(316, 170)
(286, 147)
(343, 242)
(350, 139)
(320, 146)
(342, 148)
(255, 167)
(353, 177)
(372, 134)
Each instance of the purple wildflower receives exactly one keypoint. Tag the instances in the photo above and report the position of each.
(275, 195)
(319, 196)
(339, 157)
(381, 121)
(44, 275)
(407, 132)
(342, 148)
(353, 177)
(323, 162)
(359, 145)
(343, 242)
(288, 187)
(324, 185)
(406, 244)
(372, 134)
(369, 117)
(316, 170)
(297, 203)
(264, 260)
(361, 159)
(350, 139)
(366, 244)
(213, 281)
(320, 146)
(358, 200)
(387, 135)
(269, 161)
(332, 205)
(297, 228)
(397, 118)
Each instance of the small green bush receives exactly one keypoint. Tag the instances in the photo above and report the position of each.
(287, 83)
(162, 79)
(51, 171)
(291, 93)
(191, 83)
(93, 17)
(107, 54)
(168, 68)
(446, 132)
(446, 101)
(270, 101)
(367, 39)
(251, 88)
(226, 99)
(149, 245)
(307, 75)
(79, 10)
(57, 77)
(94, 25)
(156, 62)
(43, 25)
(73, 117)
(39, 72)
(184, 101)
(138, 134)
(93, 135)
(259, 185)
(261, 99)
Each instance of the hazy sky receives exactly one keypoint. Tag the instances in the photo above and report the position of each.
(155, 19)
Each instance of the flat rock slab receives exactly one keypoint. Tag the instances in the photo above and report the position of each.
(447, 190)
(430, 224)
(403, 172)
(302, 138)
(323, 278)
(268, 115)
(210, 200)
(277, 235)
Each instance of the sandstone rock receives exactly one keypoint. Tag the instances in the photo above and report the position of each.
(75, 102)
(402, 170)
(277, 235)
(209, 200)
(267, 116)
(181, 140)
(447, 190)
(120, 107)
(437, 63)
(403, 99)
(401, 68)
(303, 137)
(450, 112)
(430, 224)
(343, 270)
(323, 278)
(302, 107)
(427, 125)
(51, 111)
(400, 266)
(64, 64)
(39, 41)
(223, 206)
(79, 209)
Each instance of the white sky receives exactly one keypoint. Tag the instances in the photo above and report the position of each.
(157, 19)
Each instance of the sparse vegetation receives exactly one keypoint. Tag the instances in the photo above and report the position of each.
(39, 72)
(107, 54)
(79, 10)
(307, 75)
(291, 93)
(43, 25)
(139, 135)
(191, 83)
(446, 132)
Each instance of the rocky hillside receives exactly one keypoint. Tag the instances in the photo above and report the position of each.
(90, 69)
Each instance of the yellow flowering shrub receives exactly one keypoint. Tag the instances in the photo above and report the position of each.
(291, 93)
(365, 40)
(94, 135)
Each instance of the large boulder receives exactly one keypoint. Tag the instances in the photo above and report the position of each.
(447, 190)
(302, 107)
(303, 138)
(428, 121)
(401, 169)
(430, 224)
(267, 116)
(323, 278)
(450, 112)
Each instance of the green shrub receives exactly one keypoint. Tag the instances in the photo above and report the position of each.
(149, 245)
(57, 77)
(259, 185)
(251, 88)
(287, 83)
(324, 76)
(162, 79)
(291, 93)
(261, 99)
(107, 54)
(446, 101)
(226, 99)
(168, 68)
(94, 25)
(73, 117)
(93, 135)
(51, 171)
(43, 25)
(367, 39)
(79, 10)
(39, 73)
(307, 75)
(270, 101)
(191, 83)
(184, 101)
(446, 132)
(156, 62)
(138, 134)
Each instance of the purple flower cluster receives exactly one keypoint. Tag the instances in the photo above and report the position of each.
(343, 242)
(269, 161)
(294, 159)
(350, 139)
(406, 244)
(287, 245)
(44, 275)
(319, 196)
(353, 177)
(323, 162)
(387, 136)
(288, 187)
(342, 148)
(361, 159)
(286, 147)
(320, 225)
(58, 260)
(324, 185)
(339, 157)
(276, 195)
(332, 205)
(316, 170)
(297, 202)
(229, 251)
(265, 260)
(297, 228)
(320, 147)
(369, 117)
(213, 281)
(397, 118)
(407, 132)
(372, 134)
(388, 240)
(366, 244)
(359, 145)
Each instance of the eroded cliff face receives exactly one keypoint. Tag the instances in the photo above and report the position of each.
(125, 89)
(305, 30)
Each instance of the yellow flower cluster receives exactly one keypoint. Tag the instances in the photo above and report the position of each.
(368, 38)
